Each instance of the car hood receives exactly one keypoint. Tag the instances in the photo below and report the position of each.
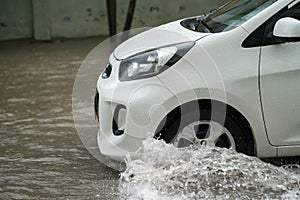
(171, 33)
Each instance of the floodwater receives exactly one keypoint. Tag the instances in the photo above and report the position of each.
(42, 155)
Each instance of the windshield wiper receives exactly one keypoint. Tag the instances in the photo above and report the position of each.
(202, 26)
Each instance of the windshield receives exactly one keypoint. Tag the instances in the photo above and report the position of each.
(228, 17)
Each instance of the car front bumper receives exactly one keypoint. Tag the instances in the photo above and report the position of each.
(136, 107)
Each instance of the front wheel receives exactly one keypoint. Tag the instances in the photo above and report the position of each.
(203, 128)
(204, 132)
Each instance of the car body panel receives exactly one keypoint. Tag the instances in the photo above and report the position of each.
(163, 35)
(285, 151)
(215, 75)
(280, 72)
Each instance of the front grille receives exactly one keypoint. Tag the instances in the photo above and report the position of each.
(107, 71)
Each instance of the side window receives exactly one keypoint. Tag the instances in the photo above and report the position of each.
(263, 35)
(269, 38)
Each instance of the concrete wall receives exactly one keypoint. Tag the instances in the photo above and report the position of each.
(15, 19)
(78, 18)
(46, 19)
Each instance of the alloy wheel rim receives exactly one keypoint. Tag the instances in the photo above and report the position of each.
(204, 132)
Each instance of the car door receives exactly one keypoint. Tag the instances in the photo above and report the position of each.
(280, 82)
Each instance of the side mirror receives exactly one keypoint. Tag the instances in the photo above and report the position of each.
(287, 27)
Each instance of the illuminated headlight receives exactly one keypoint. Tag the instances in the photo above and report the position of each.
(153, 62)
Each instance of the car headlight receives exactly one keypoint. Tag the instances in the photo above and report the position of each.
(153, 62)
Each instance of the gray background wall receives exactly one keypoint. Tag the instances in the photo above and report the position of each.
(47, 19)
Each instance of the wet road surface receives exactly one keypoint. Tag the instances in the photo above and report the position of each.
(41, 153)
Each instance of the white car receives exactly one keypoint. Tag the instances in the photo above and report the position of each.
(229, 78)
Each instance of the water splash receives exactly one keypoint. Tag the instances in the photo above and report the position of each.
(165, 172)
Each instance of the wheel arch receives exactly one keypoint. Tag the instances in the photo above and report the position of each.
(207, 103)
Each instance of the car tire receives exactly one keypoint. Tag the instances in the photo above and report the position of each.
(236, 136)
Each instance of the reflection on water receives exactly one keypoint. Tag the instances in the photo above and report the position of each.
(165, 172)
(41, 154)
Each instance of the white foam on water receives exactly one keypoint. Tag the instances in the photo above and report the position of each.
(166, 172)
